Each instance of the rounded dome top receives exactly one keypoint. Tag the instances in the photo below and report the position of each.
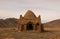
(29, 15)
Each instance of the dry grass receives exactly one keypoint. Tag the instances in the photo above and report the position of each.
(52, 29)
(11, 33)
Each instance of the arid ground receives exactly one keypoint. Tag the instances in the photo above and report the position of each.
(6, 33)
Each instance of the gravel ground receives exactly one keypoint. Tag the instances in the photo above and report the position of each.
(30, 35)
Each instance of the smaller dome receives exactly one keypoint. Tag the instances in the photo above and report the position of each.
(29, 15)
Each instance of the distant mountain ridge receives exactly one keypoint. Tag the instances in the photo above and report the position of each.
(9, 22)
(54, 23)
(13, 22)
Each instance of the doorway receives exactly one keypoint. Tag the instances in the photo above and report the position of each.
(29, 26)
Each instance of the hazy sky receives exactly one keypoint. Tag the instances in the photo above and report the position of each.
(48, 9)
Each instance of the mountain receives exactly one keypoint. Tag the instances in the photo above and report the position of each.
(52, 26)
(9, 22)
(55, 23)
(13, 22)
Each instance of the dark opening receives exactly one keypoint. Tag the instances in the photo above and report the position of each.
(37, 24)
(29, 26)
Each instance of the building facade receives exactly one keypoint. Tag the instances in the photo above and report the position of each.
(29, 22)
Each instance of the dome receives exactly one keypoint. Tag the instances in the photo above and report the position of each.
(29, 15)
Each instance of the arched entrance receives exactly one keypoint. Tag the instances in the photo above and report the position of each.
(29, 26)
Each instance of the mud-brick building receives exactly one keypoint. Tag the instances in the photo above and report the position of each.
(29, 22)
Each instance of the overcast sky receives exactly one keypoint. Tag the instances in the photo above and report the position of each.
(48, 9)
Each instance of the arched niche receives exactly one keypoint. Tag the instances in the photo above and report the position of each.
(29, 26)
